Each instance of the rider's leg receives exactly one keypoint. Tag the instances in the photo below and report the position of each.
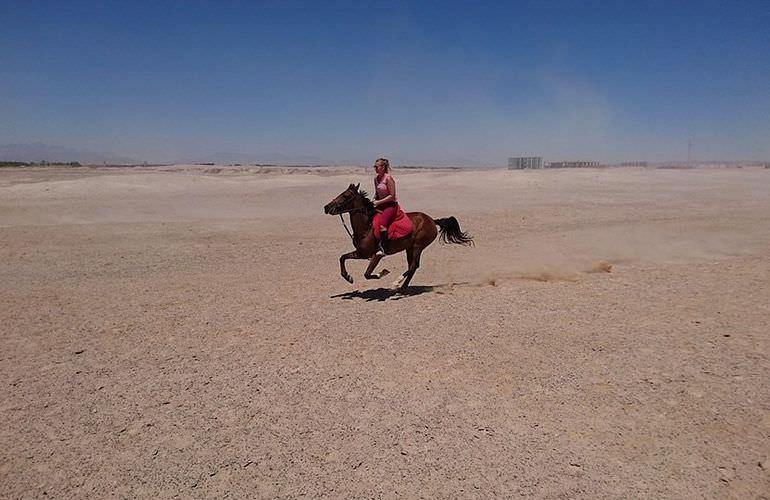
(383, 246)
(388, 214)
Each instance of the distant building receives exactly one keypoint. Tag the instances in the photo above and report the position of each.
(522, 162)
(572, 164)
(634, 164)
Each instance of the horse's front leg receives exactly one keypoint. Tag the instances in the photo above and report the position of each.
(372, 264)
(343, 258)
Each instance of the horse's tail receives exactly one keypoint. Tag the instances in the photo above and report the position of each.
(451, 233)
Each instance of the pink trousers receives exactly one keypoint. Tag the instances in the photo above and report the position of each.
(389, 212)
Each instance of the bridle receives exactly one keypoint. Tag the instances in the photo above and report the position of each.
(350, 211)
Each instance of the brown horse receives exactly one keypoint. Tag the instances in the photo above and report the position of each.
(361, 210)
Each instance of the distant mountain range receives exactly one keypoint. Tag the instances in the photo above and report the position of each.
(38, 152)
(251, 158)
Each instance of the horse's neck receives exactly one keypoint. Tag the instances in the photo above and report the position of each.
(359, 221)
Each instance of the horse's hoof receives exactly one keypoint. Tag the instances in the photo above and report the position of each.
(348, 278)
(399, 282)
(384, 273)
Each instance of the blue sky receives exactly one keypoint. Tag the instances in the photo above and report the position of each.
(419, 82)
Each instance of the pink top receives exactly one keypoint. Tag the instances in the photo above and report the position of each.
(381, 187)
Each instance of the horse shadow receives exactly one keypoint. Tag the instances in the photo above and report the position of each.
(383, 294)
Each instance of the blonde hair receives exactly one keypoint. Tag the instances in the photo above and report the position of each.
(385, 163)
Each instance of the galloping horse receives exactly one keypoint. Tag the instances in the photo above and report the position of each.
(361, 210)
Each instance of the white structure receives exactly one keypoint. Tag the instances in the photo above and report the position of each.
(521, 162)
(572, 164)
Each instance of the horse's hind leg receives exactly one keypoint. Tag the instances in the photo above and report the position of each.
(413, 257)
(413, 262)
(343, 258)
(399, 283)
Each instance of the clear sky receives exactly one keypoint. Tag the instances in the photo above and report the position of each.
(419, 82)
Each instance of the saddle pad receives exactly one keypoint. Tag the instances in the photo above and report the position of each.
(400, 227)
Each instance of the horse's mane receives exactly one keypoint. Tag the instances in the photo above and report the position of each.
(368, 204)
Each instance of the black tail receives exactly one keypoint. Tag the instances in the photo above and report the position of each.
(451, 233)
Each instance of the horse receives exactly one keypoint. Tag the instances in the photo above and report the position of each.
(361, 210)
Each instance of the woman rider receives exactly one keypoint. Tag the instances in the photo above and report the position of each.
(384, 200)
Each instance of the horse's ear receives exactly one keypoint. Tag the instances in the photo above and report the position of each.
(357, 186)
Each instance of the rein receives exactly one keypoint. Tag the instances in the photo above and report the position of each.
(346, 228)
(351, 210)
(350, 233)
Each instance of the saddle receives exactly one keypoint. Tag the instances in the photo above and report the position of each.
(400, 227)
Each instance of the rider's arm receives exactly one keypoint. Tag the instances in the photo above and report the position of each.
(391, 189)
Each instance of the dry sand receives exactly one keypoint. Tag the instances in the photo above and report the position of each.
(184, 332)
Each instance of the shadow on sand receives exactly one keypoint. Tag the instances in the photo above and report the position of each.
(382, 294)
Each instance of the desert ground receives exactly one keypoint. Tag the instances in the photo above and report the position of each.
(183, 332)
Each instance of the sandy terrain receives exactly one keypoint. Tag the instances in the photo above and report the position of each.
(184, 332)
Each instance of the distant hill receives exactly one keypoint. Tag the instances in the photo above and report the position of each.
(37, 152)
(224, 158)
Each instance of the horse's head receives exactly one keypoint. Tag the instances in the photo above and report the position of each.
(344, 202)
